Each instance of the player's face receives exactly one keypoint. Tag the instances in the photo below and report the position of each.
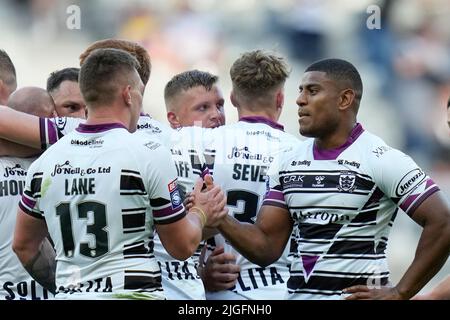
(68, 100)
(200, 107)
(318, 105)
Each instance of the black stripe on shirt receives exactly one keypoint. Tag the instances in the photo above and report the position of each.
(35, 185)
(138, 249)
(135, 282)
(352, 247)
(332, 283)
(134, 220)
(319, 231)
(131, 183)
(159, 202)
(367, 217)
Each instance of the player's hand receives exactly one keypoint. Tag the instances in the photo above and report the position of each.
(361, 292)
(188, 201)
(212, 201)
(220, 271)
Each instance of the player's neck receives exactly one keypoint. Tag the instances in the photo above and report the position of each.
(335, 139)
(102, 115)
(263, 113)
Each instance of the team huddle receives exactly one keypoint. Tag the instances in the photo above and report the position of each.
(101, 201)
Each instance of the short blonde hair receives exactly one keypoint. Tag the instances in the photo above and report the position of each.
(256, 73)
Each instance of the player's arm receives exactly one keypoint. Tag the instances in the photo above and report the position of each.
(433, 247)
(34, 250)
(9, 148)
(431, 253)
(263, 242)
(419, 197)
(20, 127)
(182, 237)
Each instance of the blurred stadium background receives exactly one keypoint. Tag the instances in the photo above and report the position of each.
(405, 64)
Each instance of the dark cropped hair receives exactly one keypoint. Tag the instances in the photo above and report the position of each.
(341, 71)
(57, 77)
(102, 74)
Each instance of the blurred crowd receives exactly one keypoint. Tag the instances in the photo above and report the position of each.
(405, 64)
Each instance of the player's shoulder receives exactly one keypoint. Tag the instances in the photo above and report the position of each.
(378, 152)
(66, 125)
(143, 142)
(146, 122)
(14, 166)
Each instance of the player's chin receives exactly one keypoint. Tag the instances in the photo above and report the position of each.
(305, 131)
(302, 126)
(213, 125)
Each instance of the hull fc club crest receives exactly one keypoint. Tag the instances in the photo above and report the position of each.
(347, 182)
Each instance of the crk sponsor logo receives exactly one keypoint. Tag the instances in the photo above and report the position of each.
(245, 153)
(319, 180)
(409, 182)
(347, 182)
(293, 181)
(17, 170)
(90, 143)
(301, 163)
(175, 196)
(152, 145)
(381, 150)
(148, 126)
(61, 123)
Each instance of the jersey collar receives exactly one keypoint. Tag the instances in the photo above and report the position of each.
(259, 119)
(95, 128)
(332, 154)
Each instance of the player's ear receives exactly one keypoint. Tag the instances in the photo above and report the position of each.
(126, 95)
(280, 99)
(173, 120)
(346, 99)
(233, 99)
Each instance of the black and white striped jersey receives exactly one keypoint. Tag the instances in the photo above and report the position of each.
(15, 282)
(238, 157)
(343, 203)
(179, 278)
(100, 190)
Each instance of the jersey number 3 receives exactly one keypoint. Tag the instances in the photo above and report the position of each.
(97, 228)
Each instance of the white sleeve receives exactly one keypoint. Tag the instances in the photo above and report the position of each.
(402, 180)
(161, 179)
(29, 202)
